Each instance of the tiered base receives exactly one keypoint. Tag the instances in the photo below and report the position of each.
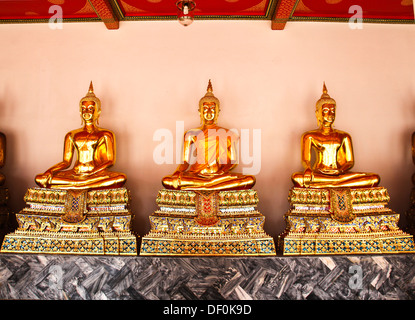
(64, 222)
(113, 243)
(342, 221)
(372, 243)
(210, 224)
(175, 245)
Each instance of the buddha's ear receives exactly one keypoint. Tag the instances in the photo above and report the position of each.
(217, 113)
(318, 116)
(200, 114)
(98, 114)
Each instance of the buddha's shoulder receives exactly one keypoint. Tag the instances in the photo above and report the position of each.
(100, 132)
(105, 133)
(317, 133)
(192, 132)
(208, 131)
(342, 133)
(74, 132)
(311, 134)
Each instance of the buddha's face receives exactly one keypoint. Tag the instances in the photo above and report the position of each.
(88, 111)
(327, 114)
(209, 112)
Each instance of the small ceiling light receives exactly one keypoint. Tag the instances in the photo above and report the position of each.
(185, 14)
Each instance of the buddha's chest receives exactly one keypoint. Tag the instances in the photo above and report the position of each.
(213, 139)
(327, 144)
(84, 142)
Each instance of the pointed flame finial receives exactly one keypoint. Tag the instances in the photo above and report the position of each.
(324, 87)
(209, 87)
(325, 95)
(91, 88)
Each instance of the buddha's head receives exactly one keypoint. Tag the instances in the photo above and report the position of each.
(209, 107)
(325, 109)
(90, 106)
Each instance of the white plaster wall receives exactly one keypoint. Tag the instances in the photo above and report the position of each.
(149, 75)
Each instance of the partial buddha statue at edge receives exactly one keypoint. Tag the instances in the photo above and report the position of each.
(334, 154)
(2, 156)
(95, 151)
(215, 157)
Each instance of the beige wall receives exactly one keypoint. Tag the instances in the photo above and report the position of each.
(148, 75)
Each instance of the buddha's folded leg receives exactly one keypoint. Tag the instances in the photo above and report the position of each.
(357, 179)
(238, 183)
(351, 179)
(171, 182)
(68, 180)
(41, 180)
(227, 181)
(299, 180)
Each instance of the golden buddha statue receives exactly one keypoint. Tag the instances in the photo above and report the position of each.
(83, 210)
(95, 148)
(204, 208)
(334, 154)
(333, 210)
(215, 157)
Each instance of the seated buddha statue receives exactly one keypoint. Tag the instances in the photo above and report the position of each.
(215, 154)
(204, 207)
(334, 154)
(94, 149)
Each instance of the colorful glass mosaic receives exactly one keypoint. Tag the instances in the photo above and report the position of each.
(343, 221)
(59, 221)
(214, 223)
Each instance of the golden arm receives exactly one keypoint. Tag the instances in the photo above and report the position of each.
(345, 155)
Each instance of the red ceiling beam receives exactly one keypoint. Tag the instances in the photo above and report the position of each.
(105, 13)
(282, 13)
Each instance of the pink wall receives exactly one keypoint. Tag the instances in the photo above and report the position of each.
(148, 75)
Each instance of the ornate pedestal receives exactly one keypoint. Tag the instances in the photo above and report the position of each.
(68, 222)
(342, 221)
(207, 223)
